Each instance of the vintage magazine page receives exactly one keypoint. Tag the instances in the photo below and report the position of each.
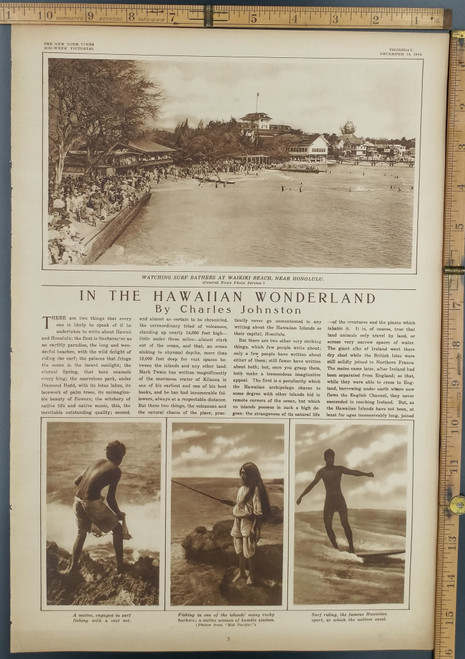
(226, 330)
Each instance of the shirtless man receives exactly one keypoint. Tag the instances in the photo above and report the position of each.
(331, 475)
(90, 508)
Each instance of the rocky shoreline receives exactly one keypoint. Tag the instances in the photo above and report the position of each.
(215, 547)
(97, 583)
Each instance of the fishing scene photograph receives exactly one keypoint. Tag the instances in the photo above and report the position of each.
(197, 162)
(351, 494)
(103, 526)
(227, 514)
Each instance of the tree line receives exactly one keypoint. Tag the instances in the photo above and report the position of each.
(95, 104)
(220, 140)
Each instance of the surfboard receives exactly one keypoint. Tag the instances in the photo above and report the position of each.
(380, 554)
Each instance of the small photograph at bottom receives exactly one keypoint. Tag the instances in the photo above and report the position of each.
(227, 498)
(103, 526)
(350, 513)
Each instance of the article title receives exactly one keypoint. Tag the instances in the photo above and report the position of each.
(192, 301)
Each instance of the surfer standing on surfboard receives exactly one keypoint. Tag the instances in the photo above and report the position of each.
(331, 475)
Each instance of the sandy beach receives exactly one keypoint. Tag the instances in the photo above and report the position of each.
(346, 217)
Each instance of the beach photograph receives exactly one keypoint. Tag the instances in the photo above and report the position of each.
(103, 525)
(350, 515)
(232, 162)
(227, 514)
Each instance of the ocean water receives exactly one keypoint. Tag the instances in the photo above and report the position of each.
(193, 583)
(323, 575)
(351, 216)
(71, 447)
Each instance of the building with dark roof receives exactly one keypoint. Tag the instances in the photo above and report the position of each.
(133, 155)
(256, 120)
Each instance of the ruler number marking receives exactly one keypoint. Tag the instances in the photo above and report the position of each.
(233, 16)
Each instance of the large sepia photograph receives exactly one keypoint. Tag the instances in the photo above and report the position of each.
(103, 524)
(350, 521)
(227, 513)
(198, 162)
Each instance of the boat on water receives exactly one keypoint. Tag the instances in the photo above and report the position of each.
(208, 179)
(304, 170)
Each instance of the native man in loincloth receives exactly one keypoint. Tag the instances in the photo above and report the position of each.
(91, 511)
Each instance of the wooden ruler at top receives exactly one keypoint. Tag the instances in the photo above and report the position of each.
(451, 503)
(385, 18)
(225, 16)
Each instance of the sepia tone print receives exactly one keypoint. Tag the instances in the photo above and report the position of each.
(350, 523)
(198, 162)
(103, 527)
(227, 500)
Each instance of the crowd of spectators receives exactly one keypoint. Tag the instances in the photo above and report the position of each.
(211, 170)
(81, 204)
(84, 203)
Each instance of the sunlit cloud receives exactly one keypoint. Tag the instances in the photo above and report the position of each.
(391, 483)
(239, 452)
(378, 448)
(227, 446)
(187, 434)
(304, 477)
(223, 441)
(196, 452)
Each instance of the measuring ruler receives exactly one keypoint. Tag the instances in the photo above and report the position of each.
(451, 504)
(224, 16)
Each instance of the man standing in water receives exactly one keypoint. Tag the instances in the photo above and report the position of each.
(331, 475)
(90, 508)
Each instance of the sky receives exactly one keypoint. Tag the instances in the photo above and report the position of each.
(217, 450)
(379, 96)
(381, 449)
(72, 446)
